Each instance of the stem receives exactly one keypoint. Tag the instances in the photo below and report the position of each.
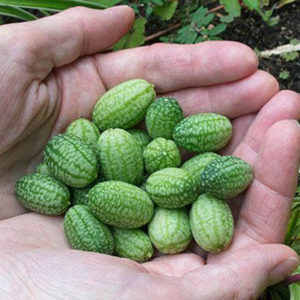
(280, 50)
(292, 279)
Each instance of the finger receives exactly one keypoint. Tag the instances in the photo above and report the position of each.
(233, 277)
(233, 99)
(174, 67)
(284, 105)
(267, 204)
(62, 38)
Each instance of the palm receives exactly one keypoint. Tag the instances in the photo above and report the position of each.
(60, 87)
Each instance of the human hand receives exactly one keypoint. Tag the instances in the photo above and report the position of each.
(54, 75)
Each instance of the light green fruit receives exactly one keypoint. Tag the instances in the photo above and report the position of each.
(141, 136)
(203, 132)
(161, 154)
(71, 160)
(211, 223)
(43, 194)
(121, 157)
(169, 230)
(85, 232)
(124, 105)
(172, 188)
(197, 164)
(120, 204)
(85, 130)
(162, 117)
(133, 244)
(226, 177)
(42, 168)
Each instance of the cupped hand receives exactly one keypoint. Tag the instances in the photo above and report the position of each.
(52, 73)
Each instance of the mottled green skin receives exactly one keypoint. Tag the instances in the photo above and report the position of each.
(161, 154)
(85, 232)
(162, 117)
(121, 157)
(197, 164)
(169, 230)
(42, 168)
(124, 105)
(172, 188)
(203, 132)
(43, 194)
(71, 160)
(211, 223)
(120, 204)
(79, 196)
(85, 130)
(226, 177)
(133, 244)
(141, 136)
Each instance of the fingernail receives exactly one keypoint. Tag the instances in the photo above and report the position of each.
(283, 269)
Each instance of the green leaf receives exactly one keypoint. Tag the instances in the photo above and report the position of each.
(252, 4)
(16, 13)
(186, 35)
(135, 37)
(290, 56)
(214, 38)
(233, 7)
(166, 11)
(208, 19)
(217, 29)
(158, 2)
(284, 75)
(227, 19)
(199, 15)
(294, 42)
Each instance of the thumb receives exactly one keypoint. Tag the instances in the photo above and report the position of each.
(244, 274)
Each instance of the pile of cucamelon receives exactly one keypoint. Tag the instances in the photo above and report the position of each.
(126, 189)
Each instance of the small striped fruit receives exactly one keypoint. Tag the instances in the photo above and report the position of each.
(161, 154)
(203, 132)
(79, 196)
(211, 223)
(141, 136)
(121, 157)
(71, 160)
(42, 168)
(172, 188)
(85, 232)
(162, 117)
(132, 243)
(169, 230)
(85, 130)
(43, 194)
(120, 204)
(226, 177)
(197, 164)
(124, 105)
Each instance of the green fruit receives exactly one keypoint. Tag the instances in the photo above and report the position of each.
(172, 188)
(124, 105)
(85, 232)
(42, 168)
(120, 204)
(133, 244)
(79, 196)
(197, 164)
(121, 157)
(71, 160)
(169, 230)
(203, 132)
(43, 194)
(211, 223)
(141, 136)
(226, 177)
(162, 117)
(143, 183)
(85, 130)
(161, 154)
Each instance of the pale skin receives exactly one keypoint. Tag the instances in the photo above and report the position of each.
(52, 73)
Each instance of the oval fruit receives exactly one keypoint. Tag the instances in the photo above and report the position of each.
(121, 157)
(71, 160)
(169, 230)
(42, 168)
(172, 188)
(203, 132)
(133, 244)
(85, 232)
(226, 177)
(120, 204)
(141, 136)
(211, 223)
(43, 194)
(162, 117)
(124, 105)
